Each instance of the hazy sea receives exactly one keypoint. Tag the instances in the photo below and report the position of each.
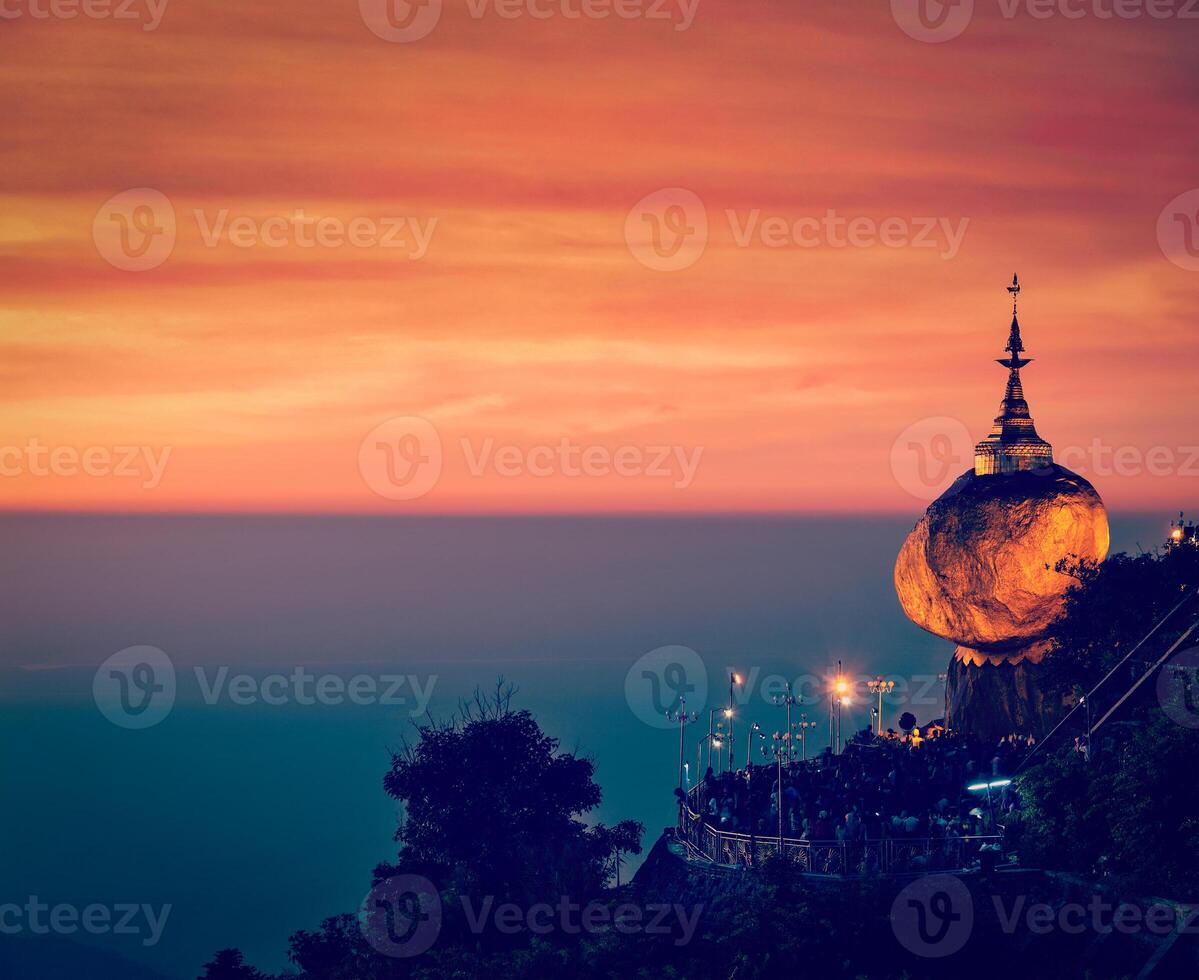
(253, 820)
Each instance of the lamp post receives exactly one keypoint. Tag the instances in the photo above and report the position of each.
(786, 700)
(803, 725)
(988, 786)
(780, 746)
(749, 742)
(734, 681)
(682, 717)
(880, 687)
(839, 695)
(712, 735)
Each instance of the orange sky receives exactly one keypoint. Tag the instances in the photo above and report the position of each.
(536, 315)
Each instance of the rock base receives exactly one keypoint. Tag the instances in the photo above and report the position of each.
(995, 699)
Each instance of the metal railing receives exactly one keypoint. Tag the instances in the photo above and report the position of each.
(892, 855)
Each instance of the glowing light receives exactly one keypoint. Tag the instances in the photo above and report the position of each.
(996, 784)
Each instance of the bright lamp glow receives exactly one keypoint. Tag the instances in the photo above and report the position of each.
(996, 784)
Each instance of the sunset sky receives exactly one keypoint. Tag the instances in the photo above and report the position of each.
(525, 306)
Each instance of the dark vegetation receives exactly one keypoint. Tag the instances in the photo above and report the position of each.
(494, 810)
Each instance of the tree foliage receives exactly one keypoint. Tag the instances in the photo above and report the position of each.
(493, 807)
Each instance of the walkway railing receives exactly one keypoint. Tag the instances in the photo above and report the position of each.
(893, 855)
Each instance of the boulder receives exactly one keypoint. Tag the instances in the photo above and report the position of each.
(979, 567)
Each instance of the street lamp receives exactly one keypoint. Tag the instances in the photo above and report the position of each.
(993, 784)
(786, 700)
(838, 695)
(803, 725)
(880, 687)
(780, 748)
(735, 680)
(749, 742)
(682, 717)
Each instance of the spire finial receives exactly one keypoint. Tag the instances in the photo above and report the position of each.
(1013, 444)
(1014, 289)
(1014, 343)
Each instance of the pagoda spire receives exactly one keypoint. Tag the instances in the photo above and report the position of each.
(1014, 344)
(1013, 444)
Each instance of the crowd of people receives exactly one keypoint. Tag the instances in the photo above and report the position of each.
(896, 785)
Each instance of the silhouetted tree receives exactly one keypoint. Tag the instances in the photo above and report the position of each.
(1113, 605)
(228, 964)
(492, 805)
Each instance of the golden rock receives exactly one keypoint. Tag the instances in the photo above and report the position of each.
(980, 567)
